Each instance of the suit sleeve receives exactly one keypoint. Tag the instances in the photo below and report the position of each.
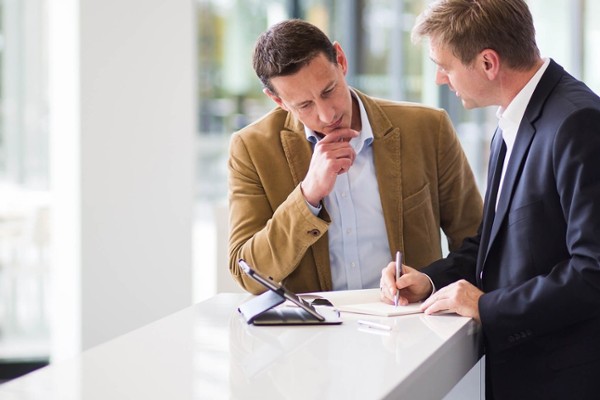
(272, 238)
(459, 264)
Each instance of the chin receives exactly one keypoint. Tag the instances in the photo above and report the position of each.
(468, 105)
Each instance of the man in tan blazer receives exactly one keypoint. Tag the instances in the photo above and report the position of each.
(324, 189)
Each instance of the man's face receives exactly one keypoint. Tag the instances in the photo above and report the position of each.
(468, 82)
(317, 94)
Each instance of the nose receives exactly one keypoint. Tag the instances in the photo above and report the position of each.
(326, 111)
(441, 78)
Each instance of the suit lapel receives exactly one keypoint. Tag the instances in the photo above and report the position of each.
(513, 171)
(524, 138)
(489, 203)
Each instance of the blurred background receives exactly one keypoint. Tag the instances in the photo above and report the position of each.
(375, 35)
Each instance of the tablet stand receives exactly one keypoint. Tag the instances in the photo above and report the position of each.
(258, 305)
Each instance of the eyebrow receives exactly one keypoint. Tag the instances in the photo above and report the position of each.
(439, 64)
(434, 60)
(301, 104)
(328, 87)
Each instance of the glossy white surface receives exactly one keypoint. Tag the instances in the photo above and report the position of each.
(207, 351)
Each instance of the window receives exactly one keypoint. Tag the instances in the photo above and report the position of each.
(24, 197)
(375, 35)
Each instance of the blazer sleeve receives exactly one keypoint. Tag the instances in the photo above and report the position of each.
(460, 203)
(272, 238)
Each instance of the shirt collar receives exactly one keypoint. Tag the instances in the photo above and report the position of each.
(365, 137)
(509, 118)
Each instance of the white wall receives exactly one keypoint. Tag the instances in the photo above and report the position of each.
(122, 106)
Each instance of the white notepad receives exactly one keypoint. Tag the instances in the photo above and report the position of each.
(364, 301)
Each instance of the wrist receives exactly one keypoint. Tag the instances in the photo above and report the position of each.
(315, 202)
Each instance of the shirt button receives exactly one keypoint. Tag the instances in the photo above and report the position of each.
(353, 264)
(314, 232)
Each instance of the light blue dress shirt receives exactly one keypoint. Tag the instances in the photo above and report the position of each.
(358, 243)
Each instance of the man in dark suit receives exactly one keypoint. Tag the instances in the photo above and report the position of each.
(531, 276)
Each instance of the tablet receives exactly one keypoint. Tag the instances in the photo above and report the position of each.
(306, 314)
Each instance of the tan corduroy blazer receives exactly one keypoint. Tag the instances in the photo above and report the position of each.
(424, 179)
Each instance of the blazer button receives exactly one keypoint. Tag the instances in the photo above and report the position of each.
(314, 232)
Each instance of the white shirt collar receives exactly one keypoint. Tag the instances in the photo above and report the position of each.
(510, 118)
(365, 138)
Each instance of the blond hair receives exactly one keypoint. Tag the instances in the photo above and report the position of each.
(467, 27)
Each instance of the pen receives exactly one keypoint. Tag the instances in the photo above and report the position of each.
(398, 275)
(372, 324)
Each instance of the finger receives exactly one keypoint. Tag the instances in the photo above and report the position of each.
(345, 157)
(437, 306)
(385, 298)
(337, 158)
(430, 301)
(384, 292)
(409, 278)
(339, 135)
(388, 278)
(344, 167)
(403, 301)
(389, 290)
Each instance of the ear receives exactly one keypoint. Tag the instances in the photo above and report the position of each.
(341, 57)
(275, 98)
(490, 63)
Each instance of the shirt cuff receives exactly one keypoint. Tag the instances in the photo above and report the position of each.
(432, 285)
(313, 209)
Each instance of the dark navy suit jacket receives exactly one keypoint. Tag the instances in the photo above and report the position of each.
(538, 257)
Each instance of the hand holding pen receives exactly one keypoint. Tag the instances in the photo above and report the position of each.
(398, 275)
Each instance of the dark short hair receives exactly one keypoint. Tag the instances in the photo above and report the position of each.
(469, 26)
(288, 46)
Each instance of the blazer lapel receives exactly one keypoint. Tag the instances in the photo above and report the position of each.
(386, 154)
(297, 149)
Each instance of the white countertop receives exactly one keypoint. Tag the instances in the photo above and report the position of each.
(207, 351)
